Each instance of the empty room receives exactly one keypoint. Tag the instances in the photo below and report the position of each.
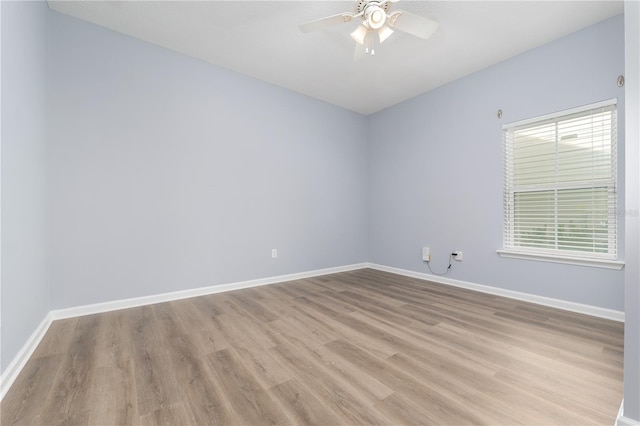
(320, 212)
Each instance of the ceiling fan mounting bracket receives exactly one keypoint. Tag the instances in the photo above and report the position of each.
(361, 5)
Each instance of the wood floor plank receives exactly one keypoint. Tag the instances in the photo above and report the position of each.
(402, 411)
(113, 344)
(169, 415)
(201, 325)
(352, 328)
(154, 377)
(210, 305)
(67, 403)
(23, 404)
(57, 339)
(315, 351)
(290, 290)
(572, 406)
(358, 347)
(241, 331)
(251, 404)
(337, 395)
(370, 305)
(193, 378)
(520, 361)
(267, 370)
(298, 319)
(444, 410)
(461, 388)
(524, 336)
(426, 346)
(244, 337)
(303, 407)
(114, 400)
(252, 308)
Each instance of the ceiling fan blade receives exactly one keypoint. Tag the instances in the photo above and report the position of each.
(329, 21)
(412, 24)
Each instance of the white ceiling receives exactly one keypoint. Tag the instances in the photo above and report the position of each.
(261, 39)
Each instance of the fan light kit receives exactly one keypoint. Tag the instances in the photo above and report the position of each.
(376, 25)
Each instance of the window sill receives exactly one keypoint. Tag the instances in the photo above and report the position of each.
(596, 263)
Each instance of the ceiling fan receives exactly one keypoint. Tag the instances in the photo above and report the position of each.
(376, 24)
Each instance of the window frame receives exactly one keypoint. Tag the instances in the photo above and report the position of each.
(510, 250)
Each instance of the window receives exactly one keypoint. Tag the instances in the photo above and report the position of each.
(560, 187)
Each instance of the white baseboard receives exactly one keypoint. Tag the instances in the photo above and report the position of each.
(115, 305)
(621, 420)
(526, 297)
(20, 360)
(626, 421)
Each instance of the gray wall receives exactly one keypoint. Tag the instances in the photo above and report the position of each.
(25, 287)
(167, 173)
(632, 273)
(436, 167)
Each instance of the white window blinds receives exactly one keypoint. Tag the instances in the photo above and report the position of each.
(560, 184)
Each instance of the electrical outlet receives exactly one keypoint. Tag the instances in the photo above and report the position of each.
(274, 253)
(426, 254)
(458, 256)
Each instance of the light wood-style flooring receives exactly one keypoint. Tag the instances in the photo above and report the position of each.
(361, 347)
